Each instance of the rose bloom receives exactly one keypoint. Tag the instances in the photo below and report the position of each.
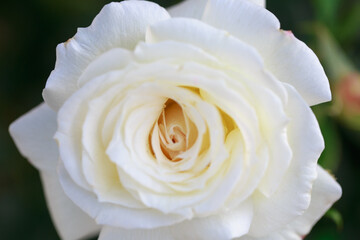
(188, 124)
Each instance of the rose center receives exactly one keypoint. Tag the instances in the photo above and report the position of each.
(175, 131)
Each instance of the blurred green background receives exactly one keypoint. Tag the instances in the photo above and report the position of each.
(31, 29)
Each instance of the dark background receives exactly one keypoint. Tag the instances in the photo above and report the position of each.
(29, 33)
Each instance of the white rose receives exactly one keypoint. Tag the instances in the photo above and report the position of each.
(196, 127)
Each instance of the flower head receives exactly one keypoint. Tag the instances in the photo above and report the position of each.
(195, 126)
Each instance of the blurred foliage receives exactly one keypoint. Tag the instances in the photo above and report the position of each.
(330, 158)
(336, 217)
(30, 31)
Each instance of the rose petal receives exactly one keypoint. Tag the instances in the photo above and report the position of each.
(111, 214)
(218, 43)
(226, 226)
(293, 196)
(230, 53)
(33, 135)
(259, 2)
(173, 52)
(289, 59)
(123, 25)
(188, 8)
(325, 192)
(114, 59)
(69, 133)
(273, 123)
(65, 214)
(196, 8)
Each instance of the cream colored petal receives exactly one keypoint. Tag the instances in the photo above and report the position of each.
(118, 25)
(188, 9)
(324, 193)
(173, 52)
(227, 49)
(70, 123)
(114, 59)
(293, 196)
(260, 2)
(33, 134)
(289, 59)
(221, 227)
(210, 46)
(196, 8)
(112, 214)
(273, 122)
(98, 170)
(70, 221)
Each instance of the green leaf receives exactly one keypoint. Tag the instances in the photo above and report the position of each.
(349, 27)
(326, 10)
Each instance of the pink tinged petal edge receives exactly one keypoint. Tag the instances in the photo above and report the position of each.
(33, 135)
(286, 57)
(123, 24)
(229, 225)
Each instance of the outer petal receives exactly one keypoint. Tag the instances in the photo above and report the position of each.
(227, 226)
(124, 26)
(289, 59)
(33, 135)
(293, 196)
(195, 8)
(325, 192)
(70, 221)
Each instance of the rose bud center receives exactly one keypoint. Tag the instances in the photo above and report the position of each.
(176, 131)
